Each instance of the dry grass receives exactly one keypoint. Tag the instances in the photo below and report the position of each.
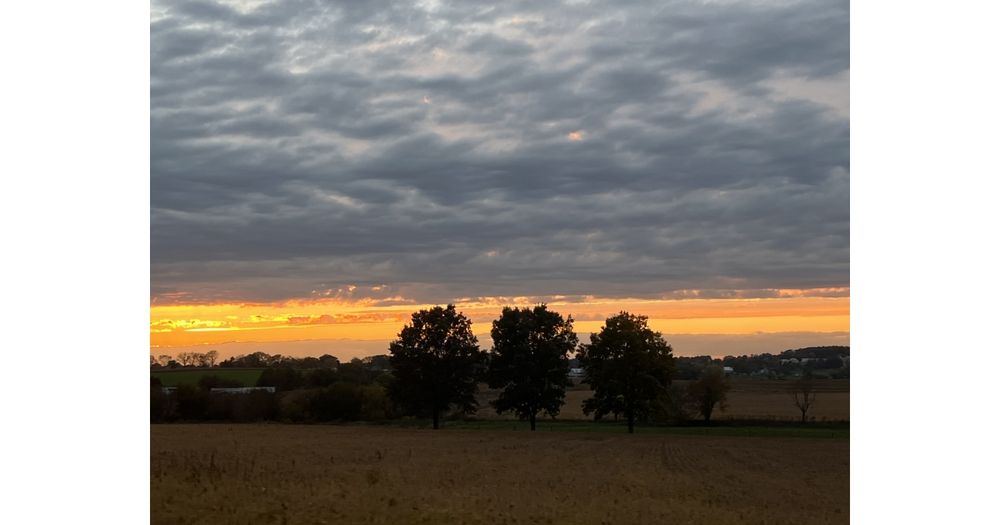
(218, 474)
(748, 399)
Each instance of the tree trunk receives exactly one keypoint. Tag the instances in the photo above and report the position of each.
(631, 422)
(803, 416)
(436, 416)
(532, 422)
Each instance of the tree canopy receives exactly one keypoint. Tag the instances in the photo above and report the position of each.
(628, 366)
(709, 390)
(530, 361)
(435, 362)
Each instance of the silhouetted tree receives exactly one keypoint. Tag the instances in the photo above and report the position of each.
(354, 371)
(628, 366)
(328, 361)
(320, 377)
(530, 361)
(282, 379)
(708, 390)
(377, 363)
(435, 360)
(803, 393)
(164, 359)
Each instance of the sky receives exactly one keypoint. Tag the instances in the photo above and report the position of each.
(320, 170)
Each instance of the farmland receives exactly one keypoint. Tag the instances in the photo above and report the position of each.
(246, 376)
(748, 399)
(388, 474)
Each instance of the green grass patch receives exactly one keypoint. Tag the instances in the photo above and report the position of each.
(246, 376)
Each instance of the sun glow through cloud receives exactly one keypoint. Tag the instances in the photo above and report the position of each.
(825, 311)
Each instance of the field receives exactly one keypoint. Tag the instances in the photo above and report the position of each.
(247, 376)
(385, 474)
(748, 399)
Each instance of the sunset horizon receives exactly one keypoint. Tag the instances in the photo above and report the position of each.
(737, 323)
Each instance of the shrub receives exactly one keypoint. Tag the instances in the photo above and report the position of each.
(281, 378)
(294, 405)
(159, 403)
(254, 406)
(192, 402)
(375, 403)
(320, 378)
(340, 401)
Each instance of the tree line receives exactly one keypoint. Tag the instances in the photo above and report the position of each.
(253, 360)
(435, 364)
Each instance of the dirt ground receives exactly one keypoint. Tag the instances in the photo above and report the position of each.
(275, 473)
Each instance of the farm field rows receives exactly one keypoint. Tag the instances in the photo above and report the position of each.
(748, 399)
(219, 474)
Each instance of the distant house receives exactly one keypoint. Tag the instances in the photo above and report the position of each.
(790, 361)
(242, 390)
(576, 372)
(727, 370)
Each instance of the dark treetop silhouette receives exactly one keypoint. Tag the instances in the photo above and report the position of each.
(710, 389)
(530, 361)
(628, 366)
(435, 362)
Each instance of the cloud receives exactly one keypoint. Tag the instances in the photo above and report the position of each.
(458, 150)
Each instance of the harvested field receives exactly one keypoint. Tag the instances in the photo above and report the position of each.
(218, 474)
(748, 399)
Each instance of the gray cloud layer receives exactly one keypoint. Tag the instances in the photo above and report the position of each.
(302, 145)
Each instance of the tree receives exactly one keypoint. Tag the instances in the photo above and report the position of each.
(185, 358)
(282, 379)
(434, 361)
(803, 393)
(328, 361)
(164, 359)
(210, 358)
(708, 390)
(530, 361)
(628, 366)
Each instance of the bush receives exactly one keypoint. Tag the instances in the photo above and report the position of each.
(192, 402)
(321, 378)
(340, 401)
(159, 404)
(294, 405)
(282, 379)
(375, 403)
(254, 406)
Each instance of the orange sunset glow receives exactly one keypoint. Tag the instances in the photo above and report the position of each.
(367, 320)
